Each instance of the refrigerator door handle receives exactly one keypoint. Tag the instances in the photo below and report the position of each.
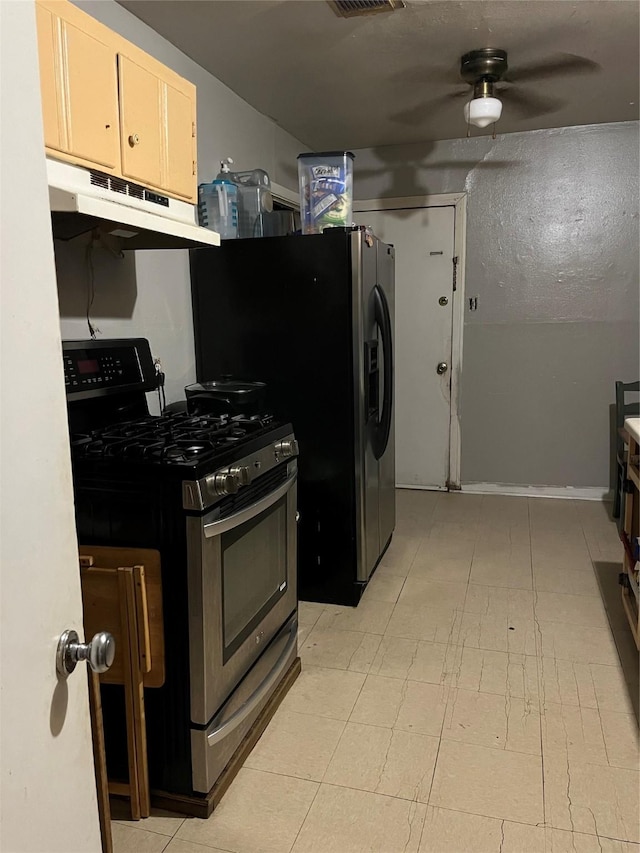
(383, 320)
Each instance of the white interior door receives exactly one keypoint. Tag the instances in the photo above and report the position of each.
(424, 241)
(47, 777)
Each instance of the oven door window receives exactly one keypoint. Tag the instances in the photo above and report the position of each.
(254, 573)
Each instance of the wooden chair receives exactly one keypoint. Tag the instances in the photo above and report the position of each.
(629, 536)
(623, 410)
(127, 601)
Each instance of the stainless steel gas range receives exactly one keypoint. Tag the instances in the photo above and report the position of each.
(216, 496)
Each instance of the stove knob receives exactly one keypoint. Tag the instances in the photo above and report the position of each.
(242, 473)
(224, 483)
(286, 448)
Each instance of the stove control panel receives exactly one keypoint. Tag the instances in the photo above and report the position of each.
(204, 493)
(93, 368)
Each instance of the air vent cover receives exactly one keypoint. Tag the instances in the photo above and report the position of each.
(351, 8)
(118, 185)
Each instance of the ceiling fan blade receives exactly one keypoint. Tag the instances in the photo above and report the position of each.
(528, 104)
(561, 63)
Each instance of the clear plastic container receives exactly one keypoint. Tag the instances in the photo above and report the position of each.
(218, 208)
(326, 190)
(218, 204)
(254, 200)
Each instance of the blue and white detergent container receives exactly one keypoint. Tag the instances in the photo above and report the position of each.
(218, 204)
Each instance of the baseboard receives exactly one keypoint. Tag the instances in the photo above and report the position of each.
(422, 488)
(591, 493)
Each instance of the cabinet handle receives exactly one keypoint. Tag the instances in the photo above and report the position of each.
(134, 139)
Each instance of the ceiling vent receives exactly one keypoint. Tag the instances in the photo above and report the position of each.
(352, 8)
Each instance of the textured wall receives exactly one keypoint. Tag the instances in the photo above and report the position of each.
(552, 254)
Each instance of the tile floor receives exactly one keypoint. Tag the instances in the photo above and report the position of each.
(474, 701)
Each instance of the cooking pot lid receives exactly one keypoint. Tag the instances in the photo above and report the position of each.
(231, 386)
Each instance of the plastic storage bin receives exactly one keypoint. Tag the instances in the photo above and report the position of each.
(254, 201)
(218, 208)
(218, 204)
(326, 190)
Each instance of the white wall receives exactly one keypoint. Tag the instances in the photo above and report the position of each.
(46, 776)
(148, 294)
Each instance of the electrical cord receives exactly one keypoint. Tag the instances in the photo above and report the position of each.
(91, 289)
(160, 377)
(96, 240)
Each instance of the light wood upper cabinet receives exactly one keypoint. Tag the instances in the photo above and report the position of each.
(90, 90)
(79, 85)
(157, 126)
(109, 105)
(180, 156)
(50, 78)
(140, 123)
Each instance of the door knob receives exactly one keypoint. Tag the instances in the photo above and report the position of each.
(443, 300)
(99, 653)
(134, 139)
(442, 367)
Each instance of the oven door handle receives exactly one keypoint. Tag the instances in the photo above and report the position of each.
(275, 673)
(215, 528)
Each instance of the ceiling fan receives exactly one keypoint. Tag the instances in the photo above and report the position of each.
(487, 72)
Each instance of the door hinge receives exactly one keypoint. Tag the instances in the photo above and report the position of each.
(455, 273)
(193, 170)
(193, 129)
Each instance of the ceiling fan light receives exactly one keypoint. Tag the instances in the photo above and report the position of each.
(482, 112)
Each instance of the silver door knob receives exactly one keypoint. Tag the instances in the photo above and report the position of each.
(443, 300)
(99, 653)
(442, 367)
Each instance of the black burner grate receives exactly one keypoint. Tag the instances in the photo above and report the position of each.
(172, 439)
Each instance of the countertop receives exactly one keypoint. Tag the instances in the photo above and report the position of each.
(632, 426)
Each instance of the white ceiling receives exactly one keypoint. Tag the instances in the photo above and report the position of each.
(369, 81)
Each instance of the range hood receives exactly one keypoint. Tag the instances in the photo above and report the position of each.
(82, 200)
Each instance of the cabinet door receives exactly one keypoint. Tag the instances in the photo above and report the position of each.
(140, 122)
(179, 160)
(91, 95)
(50, 79)
(107, 103)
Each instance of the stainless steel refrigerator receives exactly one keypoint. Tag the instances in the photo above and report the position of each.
(312, 316)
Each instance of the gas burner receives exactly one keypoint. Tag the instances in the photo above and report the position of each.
(178, 438)
(185, 451)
